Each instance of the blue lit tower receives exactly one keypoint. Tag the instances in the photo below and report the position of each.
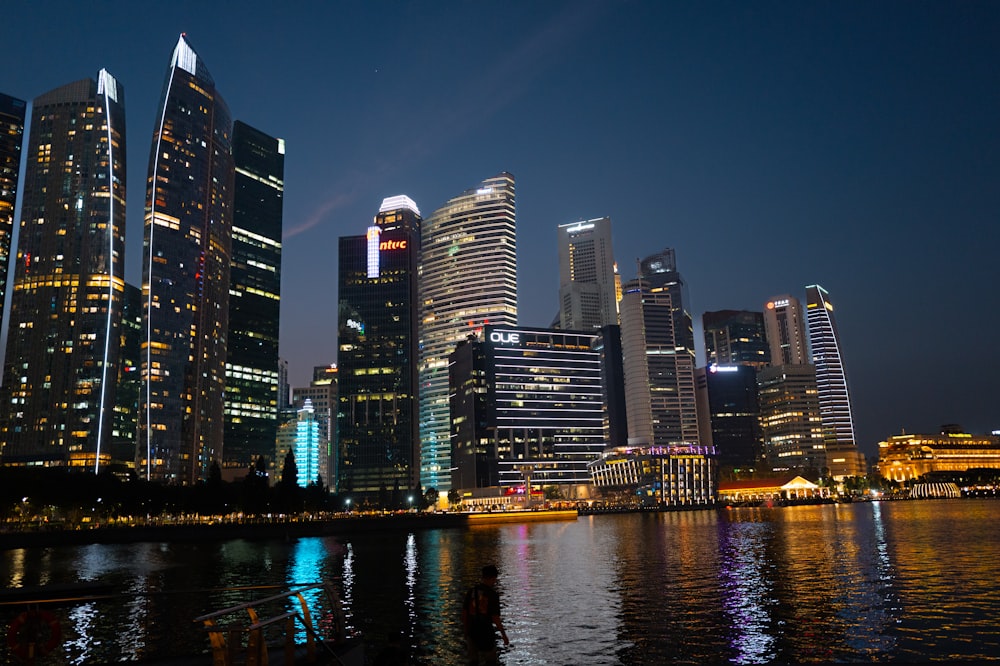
(468, 279)
(303, 437)
(377, 435)
(254, 298)
(185, 273)
(63, 342)
(842, 457)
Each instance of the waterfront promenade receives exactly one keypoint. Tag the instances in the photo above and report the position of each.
(286, 528)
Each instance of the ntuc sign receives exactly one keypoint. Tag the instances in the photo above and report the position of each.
(505, 337)
(392, 245)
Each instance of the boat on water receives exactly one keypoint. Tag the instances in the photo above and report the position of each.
(520, 515)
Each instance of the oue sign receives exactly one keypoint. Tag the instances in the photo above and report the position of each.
(505, 337)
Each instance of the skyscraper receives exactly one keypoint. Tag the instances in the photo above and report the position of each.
(785, 327)
(63, 339)
(790, 419)
(186, 262)
(322, 392)
(831, 381)
(12, 112)
(659, 355)
(468, 279)
(586, 275)
(254, 298)
(377, 314)
(303, 437)
(550, 426)
(735, 337)
(126, 421)
(659, 271)
(732, 410)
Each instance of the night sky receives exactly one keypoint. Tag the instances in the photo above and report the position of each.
(773, 145)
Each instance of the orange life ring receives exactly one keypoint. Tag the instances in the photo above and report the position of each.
(34, 633)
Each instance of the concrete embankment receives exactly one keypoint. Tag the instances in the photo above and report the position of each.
(262, 528)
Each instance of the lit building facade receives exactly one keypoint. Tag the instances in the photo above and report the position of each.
(735, 337)
(842, 456)
(785, 327)
(791, 426)
(303, 438)
(63, 342)
(657, 475)
(909, 457)
(12, 115)
(187, 248)
(377, 433)
(251, 400)
(733, 412)
(659, 357)
(586, 275)
(468, 278)
(527, 403)
(322, 393)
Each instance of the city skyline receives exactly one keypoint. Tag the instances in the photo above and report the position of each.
(772, 148)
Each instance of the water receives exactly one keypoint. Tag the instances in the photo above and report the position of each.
(890, 581)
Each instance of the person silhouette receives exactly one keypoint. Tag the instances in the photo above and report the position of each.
(480, 614)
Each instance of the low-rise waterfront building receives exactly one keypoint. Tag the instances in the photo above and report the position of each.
(676, 475)
(788, 487)
(906, 457)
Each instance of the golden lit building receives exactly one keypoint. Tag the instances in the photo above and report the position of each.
(905, 457)
(788, 487)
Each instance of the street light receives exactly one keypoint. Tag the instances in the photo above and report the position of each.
(347, 501)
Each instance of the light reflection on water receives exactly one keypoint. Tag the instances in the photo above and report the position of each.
(895, 581)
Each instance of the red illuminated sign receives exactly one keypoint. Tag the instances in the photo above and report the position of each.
(392, 245)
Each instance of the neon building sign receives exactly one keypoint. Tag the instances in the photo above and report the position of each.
(392, 245)
(505, 337)
(373, 248)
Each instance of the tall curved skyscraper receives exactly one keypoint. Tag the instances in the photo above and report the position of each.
(831, 381)
(468, 278)
(185, 269)
(66, 306)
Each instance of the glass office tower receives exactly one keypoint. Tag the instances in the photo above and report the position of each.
(587, 295)
(468, 278)
(785, 329)
(126, 420)
(377, 434)
(12, 112)
(659, 355)
(254, 298)
(527, 402)
(842, 456)
(185, 270)
(735, 337)
(63, 338)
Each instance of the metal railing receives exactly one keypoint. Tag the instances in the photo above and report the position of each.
(244, 642)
